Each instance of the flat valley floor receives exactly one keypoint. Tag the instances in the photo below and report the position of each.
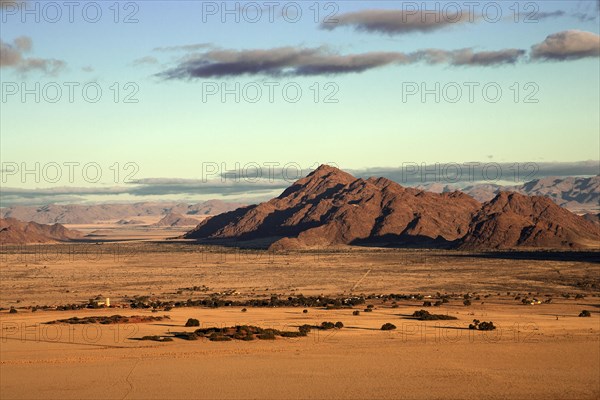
(540, 351)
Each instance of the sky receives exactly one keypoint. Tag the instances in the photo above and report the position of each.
(155, 100)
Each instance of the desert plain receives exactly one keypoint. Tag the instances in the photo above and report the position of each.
(539, 351)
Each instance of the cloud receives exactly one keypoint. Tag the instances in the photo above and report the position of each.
(291, 61)
(567, 45)
(11, 56)
(586, 11)
(148, 60)
(409, 174)
(187, 47)
(149, 187)
(540, 16)
(87, 68)
(467, 57)
(395, 22)
(463, 173)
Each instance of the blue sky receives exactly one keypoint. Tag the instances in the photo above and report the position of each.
(171, 130)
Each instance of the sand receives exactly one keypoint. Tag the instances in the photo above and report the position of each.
(542, 351)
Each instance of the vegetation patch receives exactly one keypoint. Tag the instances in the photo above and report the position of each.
(424, 315)
(248, 333)
(155, 338)
(585, 313)
(113, 319)
(482, 326)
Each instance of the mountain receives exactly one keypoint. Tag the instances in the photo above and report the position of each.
(173, 220)
(512, 220)
(89, 214)
(331, 207)
(576, 194)
(13, 231)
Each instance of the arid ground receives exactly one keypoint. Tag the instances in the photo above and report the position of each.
(539, 351)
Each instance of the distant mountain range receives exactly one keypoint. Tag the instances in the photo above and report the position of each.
(580, 195)
(89, 214)
(331, 207)
(13, 231)
(176, 220)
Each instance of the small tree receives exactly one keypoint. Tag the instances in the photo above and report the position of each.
(339, 325)
(585, 313)
(192, 322)
(388, 326)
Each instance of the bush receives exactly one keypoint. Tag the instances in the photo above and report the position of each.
(220, 338)
(339, 325)
(368, 310)
(438, 303)
(192, 322)
(388, 326)
(585, 313)
(427, 316)
(266, 336)
(244, 310)
(13, 310)
(427, 304)
(327, 325)
(467, 302)
(355, 312)
(305, 311)
(157, 338)
(304, 329)
(186, 335)
(482, 326)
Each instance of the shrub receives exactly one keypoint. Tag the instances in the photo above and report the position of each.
(266, 336)
(585, 313)
(355, 312)
(157, 338)
(339, 325)
(220, 338)
(368, 310)
(291, 334)
(305, 311)
(467, 302)
(304, 329)
(13, 310)
(427, 304)
(438, 303)
(186, 335)
(244, 310)
(388, 326)
(327, 325)
(192, 322)
(427, 316)
(370, 306)
(482, 326)
(486, 326)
